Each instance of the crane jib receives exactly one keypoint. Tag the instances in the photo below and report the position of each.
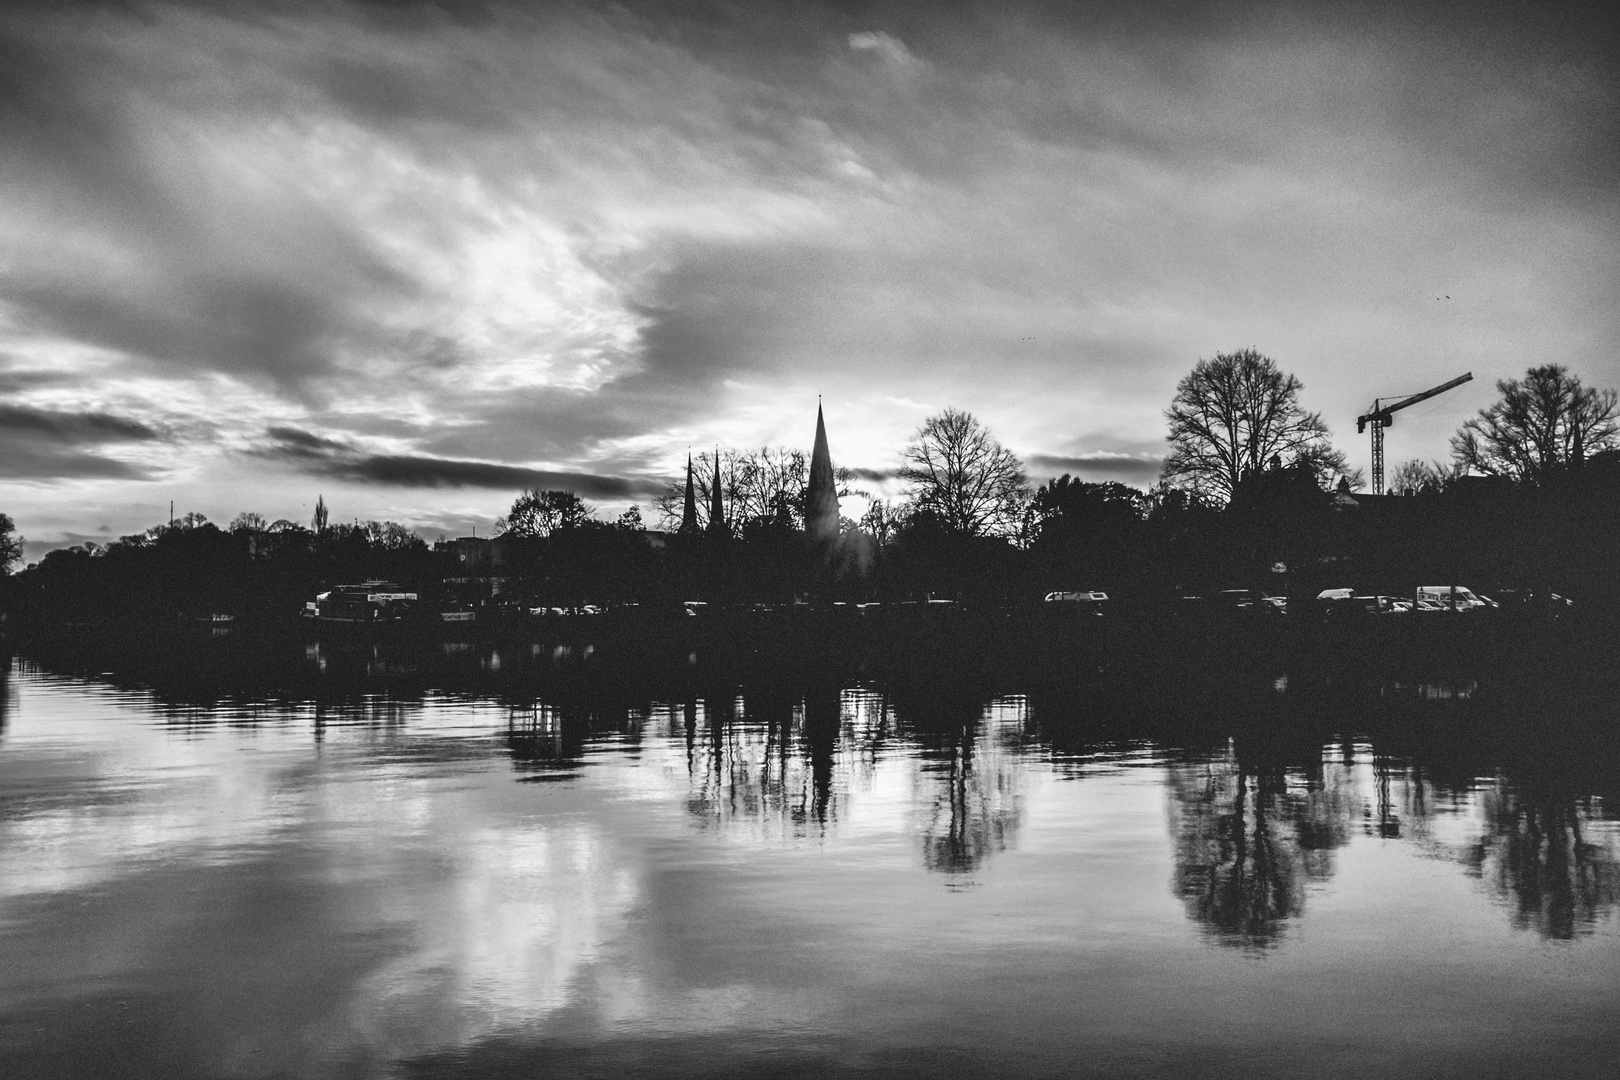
(1382, 416)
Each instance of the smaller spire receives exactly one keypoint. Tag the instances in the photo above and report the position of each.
(717, 506)
(689, 510)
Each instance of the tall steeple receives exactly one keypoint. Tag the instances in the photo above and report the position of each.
(821, 497)
(717, 506)
(689, 511)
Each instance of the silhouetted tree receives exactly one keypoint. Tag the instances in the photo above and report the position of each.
(958, 472)
(1066, 503)
(764, 487)
(541, 513)
(1232, 415)
(1081, 528)
(392, 536)
(1542, 422)
(1421, 477)
(10, 544)
(880, 521)
(247, 521)
(318, 522)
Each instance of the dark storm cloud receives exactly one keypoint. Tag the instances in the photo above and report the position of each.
(54, 444)
(22, 461)
(1101, 463)
(295, 442)
(323, 456)
(23, 421)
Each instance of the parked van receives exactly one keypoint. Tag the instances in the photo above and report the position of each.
(1451, 597)
(1079, 603)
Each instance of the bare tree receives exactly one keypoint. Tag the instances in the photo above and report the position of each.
(760, 486)
(541, 513)
(957, 471)
(669, 506)
(1238, 414)
(769, 485)
(392, 536)
(1422, 477)
(1541, 423)
(880, 521)
(11, 545)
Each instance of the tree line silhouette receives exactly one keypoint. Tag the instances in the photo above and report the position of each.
(1252, 496)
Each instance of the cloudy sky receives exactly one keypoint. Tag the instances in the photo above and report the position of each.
(415, 257)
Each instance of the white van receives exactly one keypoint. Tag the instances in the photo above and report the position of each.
(1451, 597)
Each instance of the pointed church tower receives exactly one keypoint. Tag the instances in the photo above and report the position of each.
(821, 497)
(689, 523)
(717, 506)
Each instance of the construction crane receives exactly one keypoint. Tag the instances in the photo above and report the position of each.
(1381, 416)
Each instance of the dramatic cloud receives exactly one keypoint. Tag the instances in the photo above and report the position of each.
(477, 244)
(330, 457)
(67, 427)
(38, 444)
(1103, 465)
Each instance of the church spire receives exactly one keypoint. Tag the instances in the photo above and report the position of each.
(689, 511)
(821, 497)
(717, 506)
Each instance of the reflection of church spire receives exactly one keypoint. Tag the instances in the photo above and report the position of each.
(821, 498)
(689, 511)
(717, 506)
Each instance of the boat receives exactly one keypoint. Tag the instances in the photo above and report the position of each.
(367, 603)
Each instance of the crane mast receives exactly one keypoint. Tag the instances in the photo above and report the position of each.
(1381, 416)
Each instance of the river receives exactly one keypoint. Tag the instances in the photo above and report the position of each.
(770, 880)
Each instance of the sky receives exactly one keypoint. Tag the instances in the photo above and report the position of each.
(413, 258)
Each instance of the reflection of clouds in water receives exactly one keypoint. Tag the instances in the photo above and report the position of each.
(94, 789)
(500, 913)
(501, 930)
(208, 808)
(626, 1000)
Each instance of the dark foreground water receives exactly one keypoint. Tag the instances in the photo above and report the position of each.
(843, 881)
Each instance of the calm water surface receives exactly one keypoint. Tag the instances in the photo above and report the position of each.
(452, 885)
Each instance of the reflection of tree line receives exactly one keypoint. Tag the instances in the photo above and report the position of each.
(975, 807)
(774, 759)
(1251, 835)
(763, 758)
(1546, 856)
(800, 762)
(1247, 841)
(1253, 825)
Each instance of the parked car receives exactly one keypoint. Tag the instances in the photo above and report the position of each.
(1453, 597)
(1533, 600)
